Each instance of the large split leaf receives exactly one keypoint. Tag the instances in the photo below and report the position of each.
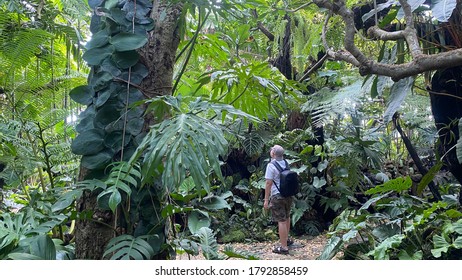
(128, 247)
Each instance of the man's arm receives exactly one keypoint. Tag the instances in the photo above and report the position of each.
(268, 185)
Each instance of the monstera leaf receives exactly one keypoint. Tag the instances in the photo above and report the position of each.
(128, 247)
(186, 144)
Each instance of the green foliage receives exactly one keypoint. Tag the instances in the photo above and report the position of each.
(326, 103)
(127, 247)
(208, 243)
(396, 185)
(230, 252)
(190, 144)
(26, 236)
(396, 227)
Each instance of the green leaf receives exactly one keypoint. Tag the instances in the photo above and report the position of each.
(66, 199)
(99, 39)
(128, 41)
(373, 200)
(43, 247)
(398, 93)
(458, 243)
(429, 177)
(170, 210)
(404, 255)
(128, 247)
(443, 9)
(82, 94)
(126, 59)
(385, 231)
(232, 253)
(89, 142)
(319, 183)
(332, 247)
(459, 144)
(215, 203)
(458, 227)
(440, 246)
(208, 243)
(186, 145)
(198, 219)
(97, 55)
(97, 161)
(397, 185)
(106, 115)
(381, 251)
(299, 209)
(22, 256)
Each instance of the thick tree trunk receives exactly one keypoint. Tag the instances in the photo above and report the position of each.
(446, 103)
(92, 234)
(158, 55)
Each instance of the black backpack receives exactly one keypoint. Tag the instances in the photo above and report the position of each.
(288, 185)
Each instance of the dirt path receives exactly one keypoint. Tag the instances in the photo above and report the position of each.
(304, 248)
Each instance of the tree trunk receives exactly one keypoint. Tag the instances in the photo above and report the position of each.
(158, 55)
(446, 104)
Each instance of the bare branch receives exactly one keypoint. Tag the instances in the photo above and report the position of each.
(418, 65)
(261, 27)
(377, 33)
(420, 62)
(410, 32)
(265, 31)
(299, 8)
(314, 68)
(336, 55)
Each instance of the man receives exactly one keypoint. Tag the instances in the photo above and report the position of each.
(280, 206)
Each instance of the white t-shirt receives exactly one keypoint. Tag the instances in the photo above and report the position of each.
(272, 173)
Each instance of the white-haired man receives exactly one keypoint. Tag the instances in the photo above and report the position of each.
(280, 206)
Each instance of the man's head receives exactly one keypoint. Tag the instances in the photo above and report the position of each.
(278, 152)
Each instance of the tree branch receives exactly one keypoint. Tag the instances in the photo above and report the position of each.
(420, 62)
(265, 31)
(299, 8)
(314, 68)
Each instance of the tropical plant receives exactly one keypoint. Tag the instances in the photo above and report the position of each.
(395, 225)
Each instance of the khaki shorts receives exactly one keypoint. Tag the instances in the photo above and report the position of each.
(280, 207)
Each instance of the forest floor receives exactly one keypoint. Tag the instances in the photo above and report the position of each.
(304, 248)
